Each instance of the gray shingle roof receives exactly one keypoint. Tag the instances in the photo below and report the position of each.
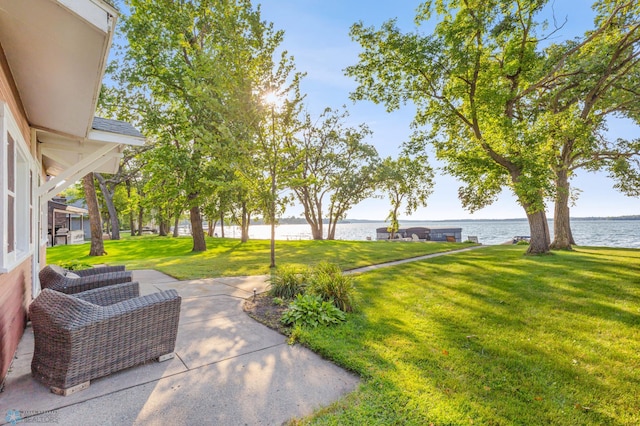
(115, 126)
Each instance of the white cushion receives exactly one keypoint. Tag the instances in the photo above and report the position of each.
(57, 269)
(72, 275)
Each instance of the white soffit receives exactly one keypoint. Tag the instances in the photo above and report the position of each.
(57, 51)
(60, 153)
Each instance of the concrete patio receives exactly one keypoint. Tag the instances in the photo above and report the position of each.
(228, 370)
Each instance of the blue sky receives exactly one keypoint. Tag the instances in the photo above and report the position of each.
(316, 34)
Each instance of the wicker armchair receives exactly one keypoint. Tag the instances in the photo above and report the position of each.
(92, 334)
(97, 270)
(59, 279)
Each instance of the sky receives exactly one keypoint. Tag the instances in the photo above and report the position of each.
(317, 35)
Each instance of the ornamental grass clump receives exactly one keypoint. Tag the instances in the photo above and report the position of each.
(287, 282)
(323, 296)
(329, 283)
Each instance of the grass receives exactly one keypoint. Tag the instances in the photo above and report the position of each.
(230, 257)
(486, 337)
(492, 337)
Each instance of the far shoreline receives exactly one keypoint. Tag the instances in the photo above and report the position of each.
(295, 221)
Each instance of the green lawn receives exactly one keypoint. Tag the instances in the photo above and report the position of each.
(492, 337)
(229, 257)
(485, 337)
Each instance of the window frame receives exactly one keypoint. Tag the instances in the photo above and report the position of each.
(22, 165)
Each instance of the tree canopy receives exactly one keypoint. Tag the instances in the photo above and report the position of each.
(197, 70)
(334, 169)
(483, 87)
(405, 180)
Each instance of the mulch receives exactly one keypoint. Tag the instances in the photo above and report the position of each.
(263, 310)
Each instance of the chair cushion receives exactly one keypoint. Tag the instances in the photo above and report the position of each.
(58, 269)
(72, 275)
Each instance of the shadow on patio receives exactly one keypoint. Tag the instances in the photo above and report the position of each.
(228, 369)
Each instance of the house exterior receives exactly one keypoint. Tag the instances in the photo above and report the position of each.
(52, 60)
(65, 223)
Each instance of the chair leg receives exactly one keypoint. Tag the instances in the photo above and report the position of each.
(71, 390)
(166, 357)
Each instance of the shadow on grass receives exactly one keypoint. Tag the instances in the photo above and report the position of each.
(495, 337)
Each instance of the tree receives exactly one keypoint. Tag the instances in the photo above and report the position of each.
(593, 79)
(95, 220)
(183, 62)
(108, 193)
(283, 102)
(405, 180)
(359, 162)
(199, 68)
(331, 162)
(109, 186)
(470, 81)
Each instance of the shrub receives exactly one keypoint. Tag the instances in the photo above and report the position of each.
(329, 283)
(310, 310)
(287, 282)
(74, 265)
(522, 243)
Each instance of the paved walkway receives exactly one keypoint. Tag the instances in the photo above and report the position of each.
(411, 259)
(228, 370)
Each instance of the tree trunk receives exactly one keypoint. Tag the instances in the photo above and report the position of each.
(539, 228)
(316, 227)
(176, 222)
(140, 219)
(221, 224)
(246, 219)
(334, 218)
(312, 214)
(273, 245)
(132, 223)
(162, 227)
(394, 226)
(331, 229)
(111, 208)
(272, 217)
(97, 245)
(131, 217)
(199, 243)
(562, 237)
(210, 226)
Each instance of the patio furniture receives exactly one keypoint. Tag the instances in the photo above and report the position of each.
(92, 334)
(56, 278)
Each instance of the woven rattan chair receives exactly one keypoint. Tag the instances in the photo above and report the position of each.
(92, 334)
(60, 279)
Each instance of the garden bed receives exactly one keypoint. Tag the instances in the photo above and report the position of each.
(266, 312)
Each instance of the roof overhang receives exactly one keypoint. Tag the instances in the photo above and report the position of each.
(67, 208)
(59, 153)
(57, 52)
(67, 159)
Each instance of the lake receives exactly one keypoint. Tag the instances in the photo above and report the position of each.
(586, 232)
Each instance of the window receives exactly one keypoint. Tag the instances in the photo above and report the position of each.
(16, 193)
(11, 193)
